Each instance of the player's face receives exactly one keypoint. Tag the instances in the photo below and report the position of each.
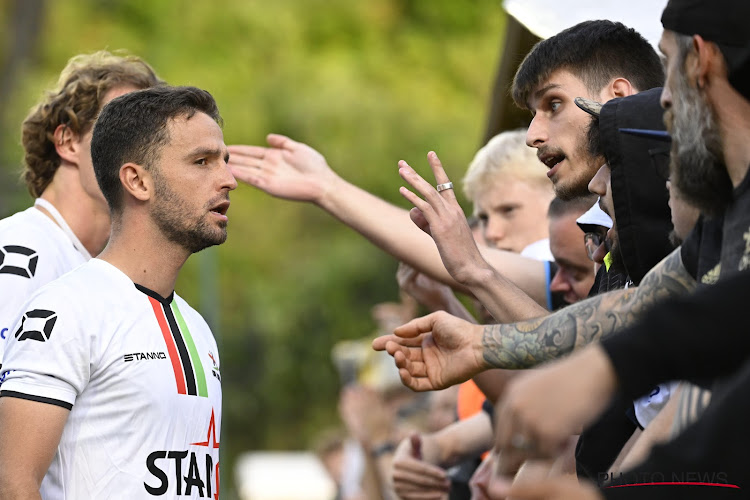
(512, 213)
(85, 164)
(559, 132)
(575, 272)
(192, 183)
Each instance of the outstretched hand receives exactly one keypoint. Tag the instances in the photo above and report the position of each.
(286, 169)
(440, 216)
(435, 351)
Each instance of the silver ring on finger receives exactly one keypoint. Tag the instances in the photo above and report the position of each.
(444, 186)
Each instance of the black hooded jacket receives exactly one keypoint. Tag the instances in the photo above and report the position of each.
(639, 166)
(638, 175)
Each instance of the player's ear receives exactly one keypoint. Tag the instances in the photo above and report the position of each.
(66, 143)
(137, 181)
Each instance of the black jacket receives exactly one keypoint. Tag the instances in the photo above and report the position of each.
(639, 191)
(642, 214)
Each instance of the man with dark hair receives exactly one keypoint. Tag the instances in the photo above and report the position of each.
(69, 221)
(119, 375)
(595, 51)
(598, 60)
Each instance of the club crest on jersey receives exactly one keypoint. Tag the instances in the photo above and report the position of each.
(36, 325)
(215, 368)
(194, 469)
(18, 260)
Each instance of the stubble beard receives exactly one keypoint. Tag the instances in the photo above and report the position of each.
(697, 160)
(170, 214)
(590, 161)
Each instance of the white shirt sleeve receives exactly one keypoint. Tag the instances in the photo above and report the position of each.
(48, 351)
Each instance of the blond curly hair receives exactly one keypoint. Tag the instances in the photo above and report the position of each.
(75, 102)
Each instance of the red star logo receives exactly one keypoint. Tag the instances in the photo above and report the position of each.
(210, 435)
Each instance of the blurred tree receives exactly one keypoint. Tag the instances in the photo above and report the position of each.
(22, 21)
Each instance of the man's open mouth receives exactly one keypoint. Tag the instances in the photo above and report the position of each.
(551, 160)
(221, 208)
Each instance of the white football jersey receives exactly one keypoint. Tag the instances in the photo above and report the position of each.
(140, 375)
(33, 251)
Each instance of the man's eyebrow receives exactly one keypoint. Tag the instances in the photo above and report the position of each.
(570, 264)
(506, 204)
(562, 261)
(203, 151)
(539, 93)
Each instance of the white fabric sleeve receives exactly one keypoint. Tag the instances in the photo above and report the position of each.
(48, 351)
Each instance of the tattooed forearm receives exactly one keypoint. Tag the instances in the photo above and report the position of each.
(528, 343)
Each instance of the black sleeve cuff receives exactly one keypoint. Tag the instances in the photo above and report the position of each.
(38, 399)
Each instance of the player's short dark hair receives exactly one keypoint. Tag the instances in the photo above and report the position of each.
(594, 51)
(133, 128)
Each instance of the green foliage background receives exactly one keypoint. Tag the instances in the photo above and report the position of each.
(367, 82)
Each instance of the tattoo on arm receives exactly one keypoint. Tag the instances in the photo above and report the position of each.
(528, 343)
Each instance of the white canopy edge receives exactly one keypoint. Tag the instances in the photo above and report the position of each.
(545, 18)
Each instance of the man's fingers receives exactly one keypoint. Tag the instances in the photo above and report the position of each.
(379, 342)
(244, 174)
(420, 473)
(418, 384)
(405, 275)
(418, 218)
(440, 176)
(417, 326)
(411, 373)
(421, 186)
(240, 150)
(414, 199)
(280, 141)
(415, 367)
(416, 446)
